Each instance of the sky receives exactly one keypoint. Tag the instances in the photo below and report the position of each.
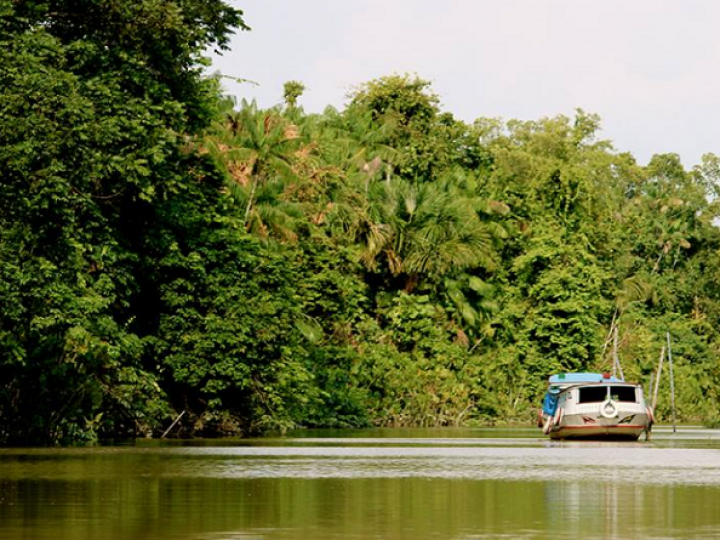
(649, 68)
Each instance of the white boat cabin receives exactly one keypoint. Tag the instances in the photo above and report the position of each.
(594, 405)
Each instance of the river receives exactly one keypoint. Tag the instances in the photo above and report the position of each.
(463, 484)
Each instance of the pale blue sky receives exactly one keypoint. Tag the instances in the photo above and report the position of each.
(649, 68)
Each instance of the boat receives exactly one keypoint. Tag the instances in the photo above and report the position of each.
(594, 406)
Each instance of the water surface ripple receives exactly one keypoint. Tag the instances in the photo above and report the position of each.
(394, 484)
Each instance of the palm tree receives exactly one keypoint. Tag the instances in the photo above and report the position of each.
(273, 214)
(253, 147)
(370, 149)
(423, 230)
(356, 143)
(347, 153)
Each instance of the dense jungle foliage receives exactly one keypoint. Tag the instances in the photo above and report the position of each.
(165, 250)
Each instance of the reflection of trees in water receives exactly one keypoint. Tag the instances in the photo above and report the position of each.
(619, 509)
(141, 494)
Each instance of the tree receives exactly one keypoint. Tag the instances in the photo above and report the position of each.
(254, 148)
(292, 90)
(430, 142)
(424, 231)
(227, 316)
(93, 96)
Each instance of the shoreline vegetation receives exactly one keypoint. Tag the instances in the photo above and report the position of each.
(167, 254)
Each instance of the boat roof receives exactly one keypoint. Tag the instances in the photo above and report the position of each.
(580, 378)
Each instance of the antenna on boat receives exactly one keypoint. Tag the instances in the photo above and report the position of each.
(672, 381)
(609, 337)
(657, 380)
(616, 359)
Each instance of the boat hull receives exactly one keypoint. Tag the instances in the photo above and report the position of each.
(585, 426)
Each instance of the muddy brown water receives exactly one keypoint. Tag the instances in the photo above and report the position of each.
(367, 484)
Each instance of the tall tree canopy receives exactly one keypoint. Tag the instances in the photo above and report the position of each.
(163, 250)
(95, 98)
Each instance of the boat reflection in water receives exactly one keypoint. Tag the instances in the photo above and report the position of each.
(594, 406)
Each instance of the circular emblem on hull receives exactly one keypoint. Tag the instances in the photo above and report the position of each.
(608, 409)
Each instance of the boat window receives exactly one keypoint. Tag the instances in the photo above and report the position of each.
(592, 394)
(623, 393)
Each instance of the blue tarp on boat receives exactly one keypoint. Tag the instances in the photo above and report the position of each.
(550, 403)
